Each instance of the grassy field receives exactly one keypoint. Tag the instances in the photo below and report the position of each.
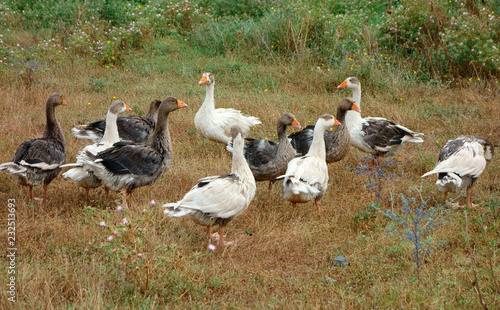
(282, 257)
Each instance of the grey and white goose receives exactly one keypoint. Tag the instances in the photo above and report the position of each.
(337, 141)
(375, 135)
(82, 174)
(219, 200)
(38, 161)
(306, 177)
(460, 163)
(131, 128)
(268, 159)
(128, 165)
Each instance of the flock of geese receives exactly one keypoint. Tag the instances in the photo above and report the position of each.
(134, 151)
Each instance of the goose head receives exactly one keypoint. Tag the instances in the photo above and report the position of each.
(56, 99)
(288, 119)
(170, 104)
(347, 104)
(154, 106)
(326, 121)
(118, 107)
(351, 83)
(207, 79)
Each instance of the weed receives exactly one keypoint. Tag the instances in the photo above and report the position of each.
(418, 221)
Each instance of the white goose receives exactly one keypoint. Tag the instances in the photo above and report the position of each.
(215, 124)
(220, 199)
(461, 161)
(306, 177)
(375, 135)
(82, 174)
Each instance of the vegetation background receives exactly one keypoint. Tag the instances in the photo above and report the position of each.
(432, 66)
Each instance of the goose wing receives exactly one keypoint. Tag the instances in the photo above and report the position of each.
(40, 153)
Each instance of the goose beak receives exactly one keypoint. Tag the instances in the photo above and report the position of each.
(296, 124)
(337, 123)
(181, 104)
(127, 108)
(203, 80)
(343, 85)
(64, 102)
(355, 107)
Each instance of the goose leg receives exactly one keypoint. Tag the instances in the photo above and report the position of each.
(445, 196)
(123, 191)
(270, 188)
(31, 192)
(469, 204)
(208, 234)
(106, 192)
(316, 202)
(221, 234)
(87, 194)
(44, 200)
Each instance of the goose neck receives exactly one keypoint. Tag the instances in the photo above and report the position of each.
(111, 131)
(318, 143)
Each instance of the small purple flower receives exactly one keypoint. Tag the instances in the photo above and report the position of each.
(152, 202)
(144, 211)
(119, 208)
(211, 247)
(102, 224)
(124, 221)
(139, 255)
(115, 233)
(110, 238)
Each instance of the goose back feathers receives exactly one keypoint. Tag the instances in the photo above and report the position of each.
(133, 128)
(375, 135)
(215, 124)
(128, 165)
(38, 161)
(337, 141)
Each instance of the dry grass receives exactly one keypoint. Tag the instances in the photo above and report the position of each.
(64, 260)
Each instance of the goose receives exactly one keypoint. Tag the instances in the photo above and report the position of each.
(38, 161)
(215, 124)
(460, 163)
(375, 135)
(128, 165)
(306, 177)
(267, 159)
(132, 128)
(336, 141)
(217, 200)
(81, 174)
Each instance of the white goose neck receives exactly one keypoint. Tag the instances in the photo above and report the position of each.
(111, 132)
(239, 164)
(318, 143)
(356, 95)
(209, 98)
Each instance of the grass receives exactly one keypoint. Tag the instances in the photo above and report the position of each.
(64, 260)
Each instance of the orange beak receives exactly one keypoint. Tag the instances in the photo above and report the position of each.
(296, 124)
(64, 102)
(343, 85)
(337, 123)
(181, 104)
(203, 80)
(127, 108)
(356, 108)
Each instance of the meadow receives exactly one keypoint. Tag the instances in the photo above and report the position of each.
(406, 249)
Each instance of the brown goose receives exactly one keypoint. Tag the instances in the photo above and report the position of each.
(38, 161)
(220, 199)
(267, 159)
(460, 163)
(81, 174)
(132, 128)
(128, 165)
(337, 141)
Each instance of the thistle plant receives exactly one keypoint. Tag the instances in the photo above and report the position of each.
(417, 222)
(377, 175)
